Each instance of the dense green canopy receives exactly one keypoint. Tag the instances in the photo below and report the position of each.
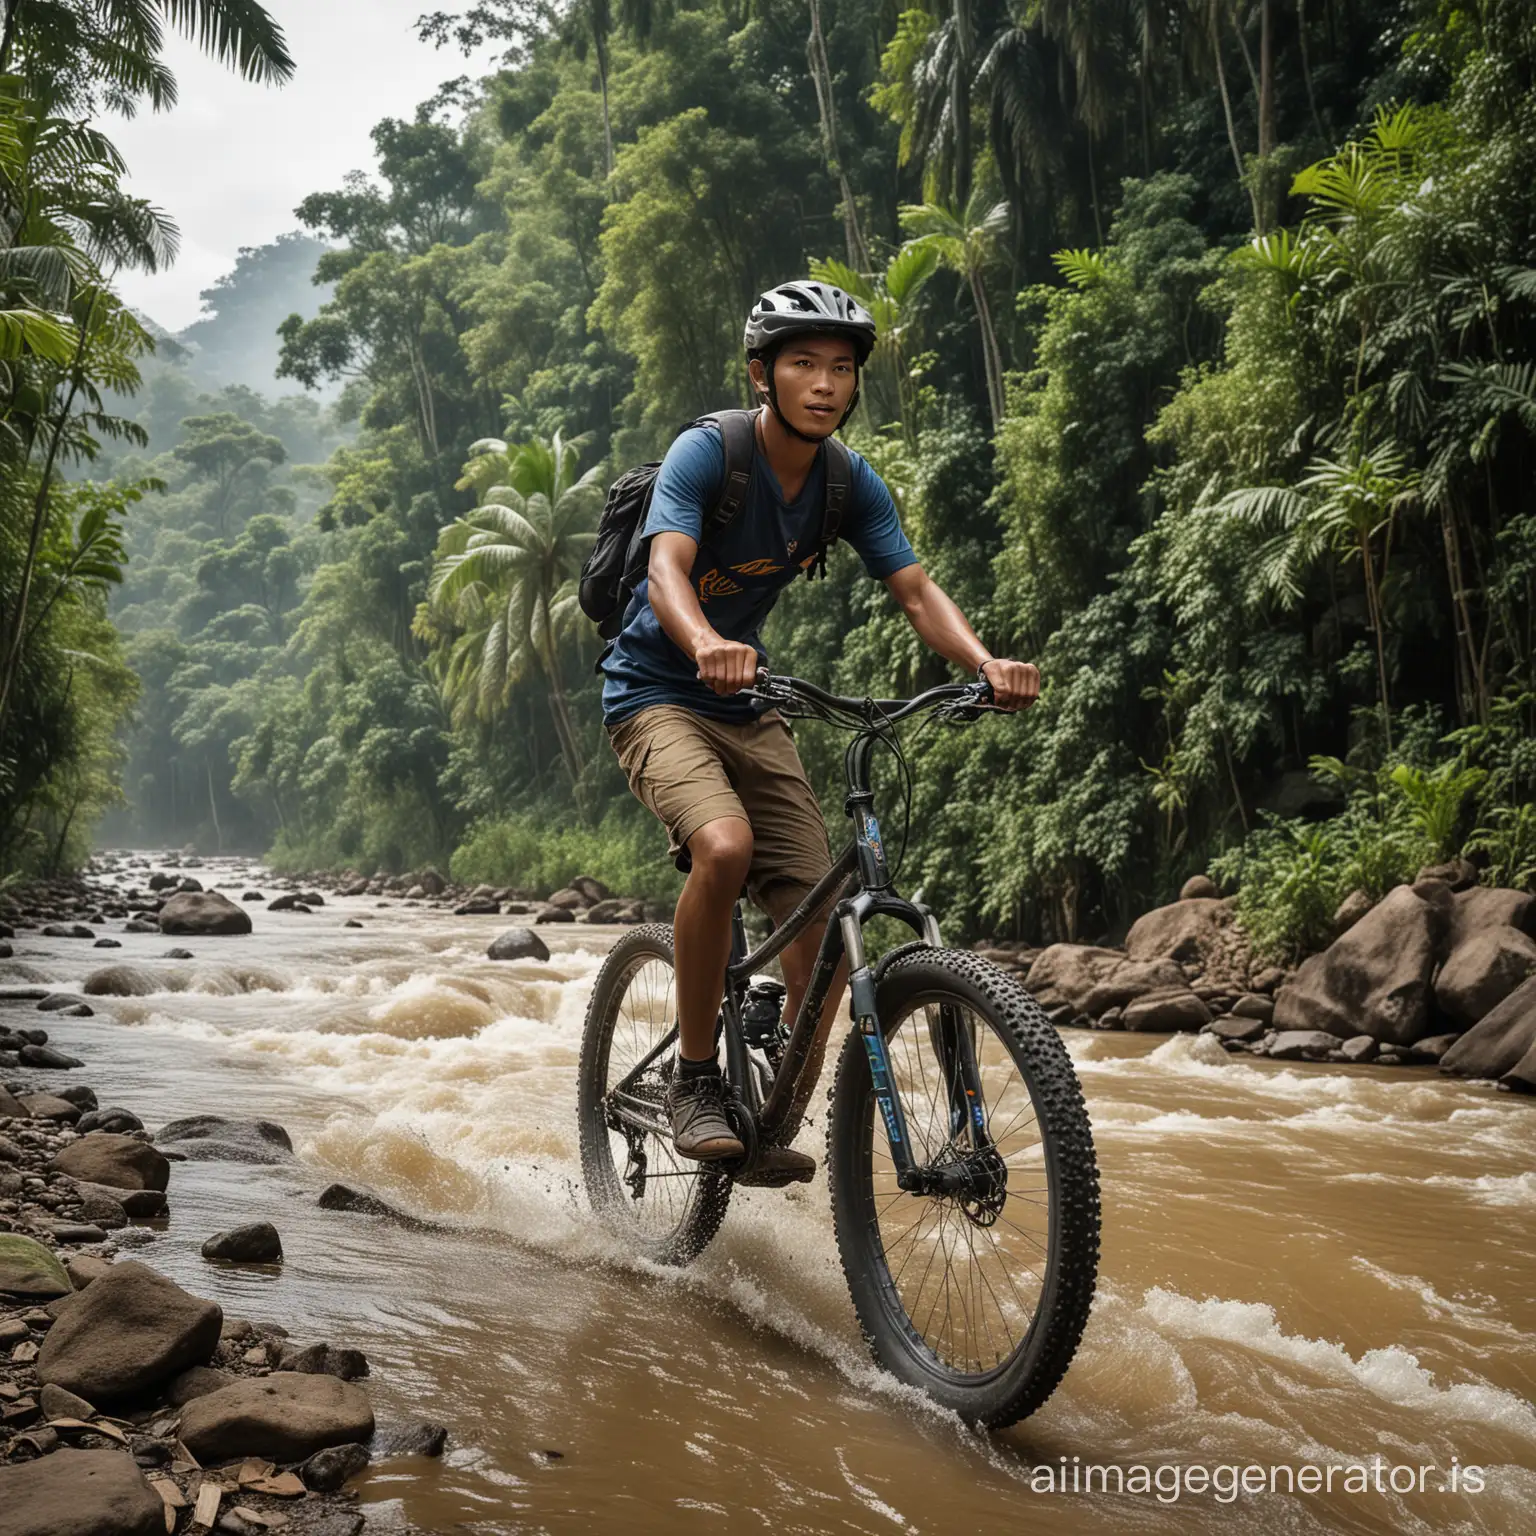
(1207, 382)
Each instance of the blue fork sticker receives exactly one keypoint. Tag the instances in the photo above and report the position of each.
(879, 1071)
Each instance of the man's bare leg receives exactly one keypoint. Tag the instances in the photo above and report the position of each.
(721, 851)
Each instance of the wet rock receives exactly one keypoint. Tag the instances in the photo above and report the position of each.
(197, 1382)
(1302, 1044)
(254, 896)
(344, 1197)
(1199, 888)
(67, 931)
(1433, 1047)
(569, 898)
(178, 954)
(159, 881)
(120, 981)
(1236, 1027)
(1459, 874)
(1254, 1006)
(189, 884)
(45, 1056)
(56, 1403)
(119, 1162)
(312, 898)
(283, 1417)
(11, 1108)
(1499, 1042)
(1490, 907)
(73, 1232)
(83, 1268)
(614, 910)
(589, 889)
(213, 1138)
(1092, 980)
(518, 944)
(551, 914)
(127, 1333)
(421, 1439)
(1359, 1048)
(352, 922)
(117, 1121)
(140, 925)
(1351, 910)
(28, 1269)
(108, 944)
(1167, 1012)
(83, 1098)
(1374, 979)
(203, 912)
(100, 1207)
(56, 1000)
(324, 1360)
(256, 1242)
(326, 1471)
(478, 906)
(431, 882)
(49, 1106)
(80, 1493)
(289, 901)
(1481, 972)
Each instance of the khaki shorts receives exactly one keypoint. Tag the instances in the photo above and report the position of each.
(688, 769)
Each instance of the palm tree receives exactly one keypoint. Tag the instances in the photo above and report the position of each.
(1338, 507)
(82, 47)
(504, 574)
(966, 243)
(890, 297)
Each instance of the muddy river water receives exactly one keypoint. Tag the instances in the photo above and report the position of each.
(1326, 1273)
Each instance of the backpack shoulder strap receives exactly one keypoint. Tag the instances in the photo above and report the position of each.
(737, 433)
(838, 468)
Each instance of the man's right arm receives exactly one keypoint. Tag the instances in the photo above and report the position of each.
(725, 665)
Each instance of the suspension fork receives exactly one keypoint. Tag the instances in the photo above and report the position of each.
(861, 991)
(955, 1050)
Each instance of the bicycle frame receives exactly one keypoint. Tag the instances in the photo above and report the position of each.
(860, 883)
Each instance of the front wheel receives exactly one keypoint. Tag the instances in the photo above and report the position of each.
(978, 1291)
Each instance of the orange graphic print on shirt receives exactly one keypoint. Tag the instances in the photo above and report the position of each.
(713, 584)
(758, 568)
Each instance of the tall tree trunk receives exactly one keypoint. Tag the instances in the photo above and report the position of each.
(17, 628)
(826, 103)
(1306, 70)
(1373, 610)
(8, 36)
(1268, 202)
(960, 99)
(213, 804)
(1226, 107)
(600, 44)
(991, 360)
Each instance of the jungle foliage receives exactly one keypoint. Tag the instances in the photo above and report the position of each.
(1208, 383)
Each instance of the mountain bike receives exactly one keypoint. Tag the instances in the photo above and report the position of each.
(959, 1153)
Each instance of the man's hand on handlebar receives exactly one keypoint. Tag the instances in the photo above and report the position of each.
(1014, 684)
(726, 665)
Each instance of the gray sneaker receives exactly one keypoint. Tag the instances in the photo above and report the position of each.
(699, 1125)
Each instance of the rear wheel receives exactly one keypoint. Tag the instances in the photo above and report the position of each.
(977, 1294)
(664, 1207)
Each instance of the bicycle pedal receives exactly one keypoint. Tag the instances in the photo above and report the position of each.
(777, 1167)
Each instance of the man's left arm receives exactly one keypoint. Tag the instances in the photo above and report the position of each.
(943, 628)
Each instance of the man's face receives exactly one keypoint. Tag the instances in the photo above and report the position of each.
(815, 377)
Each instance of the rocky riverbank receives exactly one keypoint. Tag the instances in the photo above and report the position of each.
(131, 1406)
(1441, 972)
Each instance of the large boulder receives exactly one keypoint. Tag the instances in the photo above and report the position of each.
(518, 944)
(79, 1493)
(127, 1333)
(1092, 981)
(1168, 1011)
(1491, 906)
(1375, 979)
(27, 1269)
(257, 1242)
(119, 1162)
(203, 912)
(1198, 888)
(1497, 1043)
(121, 981)
(215, 1139)
(1187, 931)
(1482, 971)
(283, 1417)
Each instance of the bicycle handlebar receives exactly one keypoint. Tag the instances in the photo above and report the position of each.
(773, 689)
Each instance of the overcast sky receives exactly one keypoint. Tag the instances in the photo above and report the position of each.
(231, 161)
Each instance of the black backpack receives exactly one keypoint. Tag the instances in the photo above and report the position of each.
(619, 558)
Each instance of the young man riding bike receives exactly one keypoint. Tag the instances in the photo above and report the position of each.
(724, 779)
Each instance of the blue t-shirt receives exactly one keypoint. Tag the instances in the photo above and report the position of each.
(740, 572)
